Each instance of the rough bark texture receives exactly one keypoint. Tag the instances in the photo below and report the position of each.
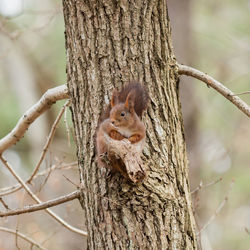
(109, 43)
(185, 50)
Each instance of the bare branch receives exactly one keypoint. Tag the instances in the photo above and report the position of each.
(50, 97)
(201, 185)
(9, 190)
(51, 134)
(16, 236)
(34, 197)
(25, 237)
(46, 179)
(45, 148)
(227, 93)
(70, 181)
(217, 210)
(4, 204)
(43, 205)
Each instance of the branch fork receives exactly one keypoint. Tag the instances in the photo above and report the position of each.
(219, 87)
(46, 101)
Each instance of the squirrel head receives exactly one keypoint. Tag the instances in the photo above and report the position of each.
(123, 114)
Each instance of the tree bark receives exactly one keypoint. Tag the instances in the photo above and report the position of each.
(185, 49)
(109, 43)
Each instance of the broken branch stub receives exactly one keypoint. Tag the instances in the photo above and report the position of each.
(128, 156)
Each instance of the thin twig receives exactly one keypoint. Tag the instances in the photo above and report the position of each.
(9, 190)
(4, 204)
(34, 197)
(43, 205)
(77, 186)
(49, 237)
(201, 185)
(16, 236)
(45, 148)
(23, 236)
(217, 211)
(227, 93)
(243, 93)
(46, 179)
(46, 101)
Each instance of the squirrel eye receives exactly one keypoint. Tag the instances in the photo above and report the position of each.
(123, 113)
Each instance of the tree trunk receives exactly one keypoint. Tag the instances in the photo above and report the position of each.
(185, 50)
(109, 43)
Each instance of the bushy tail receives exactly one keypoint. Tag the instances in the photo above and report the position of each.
(141, 99)
(141, 96)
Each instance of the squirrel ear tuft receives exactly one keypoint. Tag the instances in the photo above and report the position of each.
(130, 101)
(115, 98)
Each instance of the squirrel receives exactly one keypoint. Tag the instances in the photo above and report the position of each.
(121, 120)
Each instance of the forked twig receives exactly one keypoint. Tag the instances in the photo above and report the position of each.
(9, 190)
(201, 185)
(217, 211)
(46, 101)
(34, 197)
(210, 81)
(23, 236)
(45, 148)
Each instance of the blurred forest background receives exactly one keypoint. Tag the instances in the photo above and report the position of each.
(212, 36)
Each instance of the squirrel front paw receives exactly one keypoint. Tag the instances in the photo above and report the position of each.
(116, 135)
(135, 138)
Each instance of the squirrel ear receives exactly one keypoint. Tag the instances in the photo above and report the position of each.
(130, 101)
(115, 98)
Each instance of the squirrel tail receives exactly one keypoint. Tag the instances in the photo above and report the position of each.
(141, 96)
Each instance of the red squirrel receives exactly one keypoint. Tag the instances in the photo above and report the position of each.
(121, 120)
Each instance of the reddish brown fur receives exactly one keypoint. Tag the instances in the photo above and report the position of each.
(140, 103)
(131, 101)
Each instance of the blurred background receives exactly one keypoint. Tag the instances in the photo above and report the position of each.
(212, 36)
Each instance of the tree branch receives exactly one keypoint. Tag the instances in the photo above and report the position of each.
(227, 93)
(201, 185)
(46, 146)
(50, 97)
(43, 205)
(9, 190)
(217, 211)
(243, 93)
(31, 241)
(34, 197)
(4, 204)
